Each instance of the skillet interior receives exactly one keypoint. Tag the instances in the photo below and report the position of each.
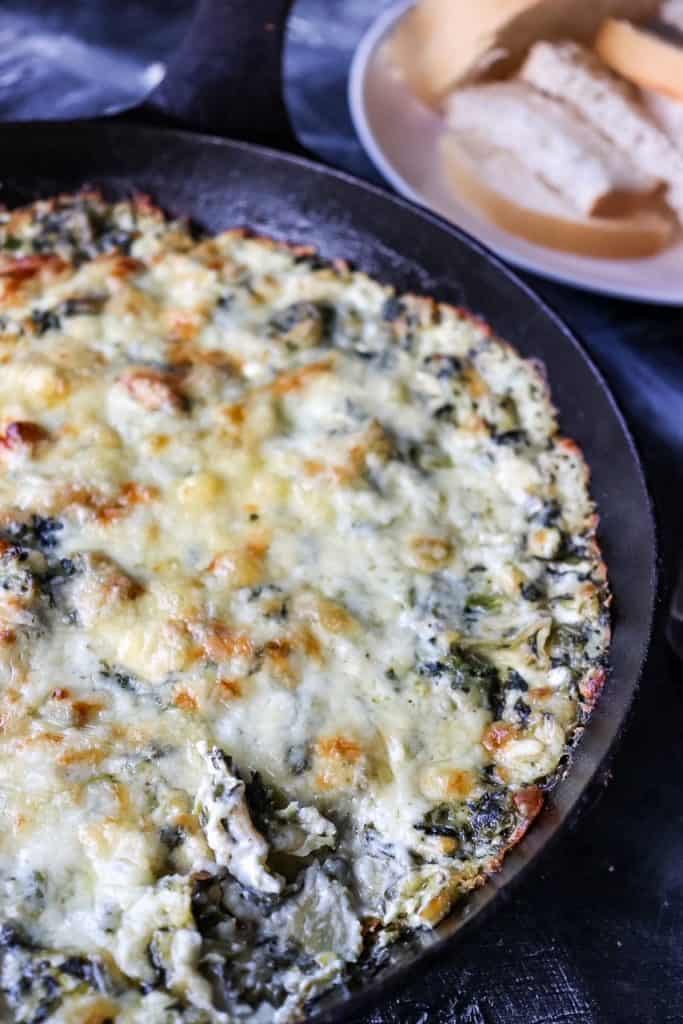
(221, 184)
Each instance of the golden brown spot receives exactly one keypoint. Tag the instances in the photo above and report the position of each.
(186, 701)
(459, 783)
(116, 583)
(437, 907)
(87, 756)
(314, 467)
(375, 441)
(159, 442)
(130, 495)
(296, 380)
(85, 710)
(439, 781)
(236, 413)
(209, 253)
(183, 324)
(230, 689)
(103, 1012)
(246, 565)
(154, 390)
(22, 434)
(529, 801)
(340, 747)
(591, 688)
(7, 635)
(9, 711)
(220, 642)
(184, 353)
(25, 267)
(430, 553)
(120, 266)
(310, 643)
(42, 739)
(541, 693)
(339, 758)
(335, 617)
(476, 385)
(278, 653)
(498, 734)
(122, 794)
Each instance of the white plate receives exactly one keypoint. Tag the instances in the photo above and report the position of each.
(400, 136)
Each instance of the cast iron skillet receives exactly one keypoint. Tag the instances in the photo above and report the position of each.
(221, 183)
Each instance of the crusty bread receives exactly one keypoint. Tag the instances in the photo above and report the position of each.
(553, 142)
(644, 55)
(568, 71)
(667, 113)
(503, 188)
(443, 43)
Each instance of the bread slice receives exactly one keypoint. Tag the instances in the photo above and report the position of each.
(553, 142)
(651, 56)
(667, 113)
(513, 198)
(443, 43)
(569, 72)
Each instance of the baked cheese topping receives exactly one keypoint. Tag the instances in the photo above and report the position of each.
(301, 611)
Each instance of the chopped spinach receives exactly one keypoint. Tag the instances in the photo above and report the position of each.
(522, 711)
(482, 602)
(515, 681)
(480, 826)
(172, 836)
(37, 532)
(124, 680)
(444, 367)
(45, 320)
(467, 668)
(83, 305)
(512, 438)
(312, 261)
(303, 324)
(492, 817)
(392, 309)
(298, 758)
(532, 591)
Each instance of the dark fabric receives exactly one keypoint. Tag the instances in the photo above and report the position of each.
(63, 59)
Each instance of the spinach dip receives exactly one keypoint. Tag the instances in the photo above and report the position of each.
(301, 612)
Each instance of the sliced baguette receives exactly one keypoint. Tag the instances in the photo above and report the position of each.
(501, 186)
(569, 72)
(643, 55)
(667, 113)
(553, 142)
(442, 43)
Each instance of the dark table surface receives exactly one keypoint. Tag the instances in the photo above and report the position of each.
(595, 934)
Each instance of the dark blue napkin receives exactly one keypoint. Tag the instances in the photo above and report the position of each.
(62, 59)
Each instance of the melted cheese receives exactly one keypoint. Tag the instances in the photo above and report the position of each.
(301, 606)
